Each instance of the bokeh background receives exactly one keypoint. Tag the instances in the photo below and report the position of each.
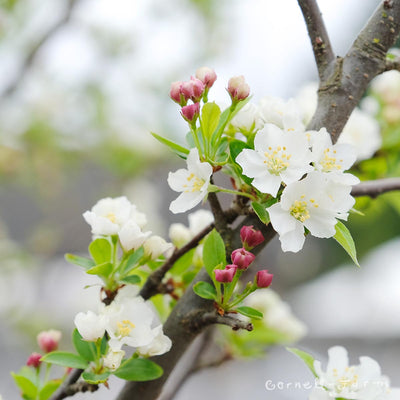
(82, 84)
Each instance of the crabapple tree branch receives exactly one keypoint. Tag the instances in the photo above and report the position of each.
(376, 187)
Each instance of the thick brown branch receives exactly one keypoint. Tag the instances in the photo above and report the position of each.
(65, 389)
(320, 42)
(343, 88)
(375, 188)
(234, 323)
(31, 56)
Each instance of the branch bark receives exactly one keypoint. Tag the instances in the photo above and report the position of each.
(320, 42)
(376, 187)
(65, 389)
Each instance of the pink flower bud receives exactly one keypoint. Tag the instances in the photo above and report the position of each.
(207, 76)
(224, 275)
(242, 258)
(193, 90)
(191, 112)
(238, 88)
(232, 266)
(264, 278)
(250, 237)
(48, 340)
(34, 360)
(175, 92)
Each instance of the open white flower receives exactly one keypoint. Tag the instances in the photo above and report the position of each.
(160, 344)
(113, 359)
(313, 203)
(90, 325)
(277, 157)
(108, 215)
(248, 119)
(333, 159)
(356, 382)
(193, 182)
(131, 236)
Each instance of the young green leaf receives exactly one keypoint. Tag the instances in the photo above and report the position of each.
(307, 358)
(177, 148)
(49, 388)
(261, 212)
(139, 369)
(65, 359)
(101, 269)
(249, 312)
(205, 290)
(100, 250)
(86, 350)
(209, 119)
(80, 261)
(213, 252)
(132, 260)
(27, 387)
(183, 263)
(95, 379)
(344, 238)
(131, 279)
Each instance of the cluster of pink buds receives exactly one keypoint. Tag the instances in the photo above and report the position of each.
(194, 90)
(34, 360)
(243, 258)
(238, 88)
(48, 341)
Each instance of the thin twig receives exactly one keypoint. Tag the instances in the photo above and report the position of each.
(234, 323)
(320, 42)
(375, 188)
(63, 391)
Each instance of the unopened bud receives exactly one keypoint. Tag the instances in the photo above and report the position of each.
(238, 88)
(154, 246)
(207, 76)
(179, 234)
(191, 113)
(34, 360)
(193, 90)
(176, 93)
(48, 340)
(250, 237)
(264, 278)
(242, 258)
(224, 275)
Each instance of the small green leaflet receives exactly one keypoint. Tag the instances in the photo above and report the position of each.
(205, 290)
(65, 359)
(103, 269)
(307, 358)
(132, 260)
(172, 145)
(344, 238)
(261, 212)
(80, 261)
(100, 250)
(86, 350)
(209, 119)
(95, 379)
(26, 386)
(139, 369)
(249, 312)
(131, 279)
(213, 252)
(49, 388)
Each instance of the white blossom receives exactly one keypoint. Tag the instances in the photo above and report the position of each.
(108, 215)
(160, 344)
(363, 132)
(154, 246)
(387, 86)
(131, 236)
(313, 203)
(113, 359)
(91, 326)
(307, 99)
(277, 157)
(179, 234)
(193, 182)
(248, 119)
(356, 382)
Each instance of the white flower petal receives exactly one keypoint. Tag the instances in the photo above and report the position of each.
(293, 240)
(186, 201)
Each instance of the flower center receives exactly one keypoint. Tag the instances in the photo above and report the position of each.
(124, 327)
(277, 160)
(194, 183)
(329, 162)
(299, 210)
(112, 217)
(347, 380)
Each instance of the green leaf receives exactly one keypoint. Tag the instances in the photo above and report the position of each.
(177, 148)
(236, 147)
(65, 359)
(213, 252)
(344, 238)
(27, 387)
(131, 279)
(104, 269)
(249, 312)
(205, 290)
(132, 260)
(307, 358)
(86, 350)
(139, 369)
(209, 119)
(49, 388)
(100, 250)
(183, 263)
(95, 379)
(81, 261)
(261, 212)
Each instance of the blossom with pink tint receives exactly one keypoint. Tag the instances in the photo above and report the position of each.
(191, 113)
(193, 90)
(264, 278)
(206, 75)
(34, 360)
(242, 258)
(250, 237)
(224, 275)
(48, 340)
(238, 88)
(176, 94)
